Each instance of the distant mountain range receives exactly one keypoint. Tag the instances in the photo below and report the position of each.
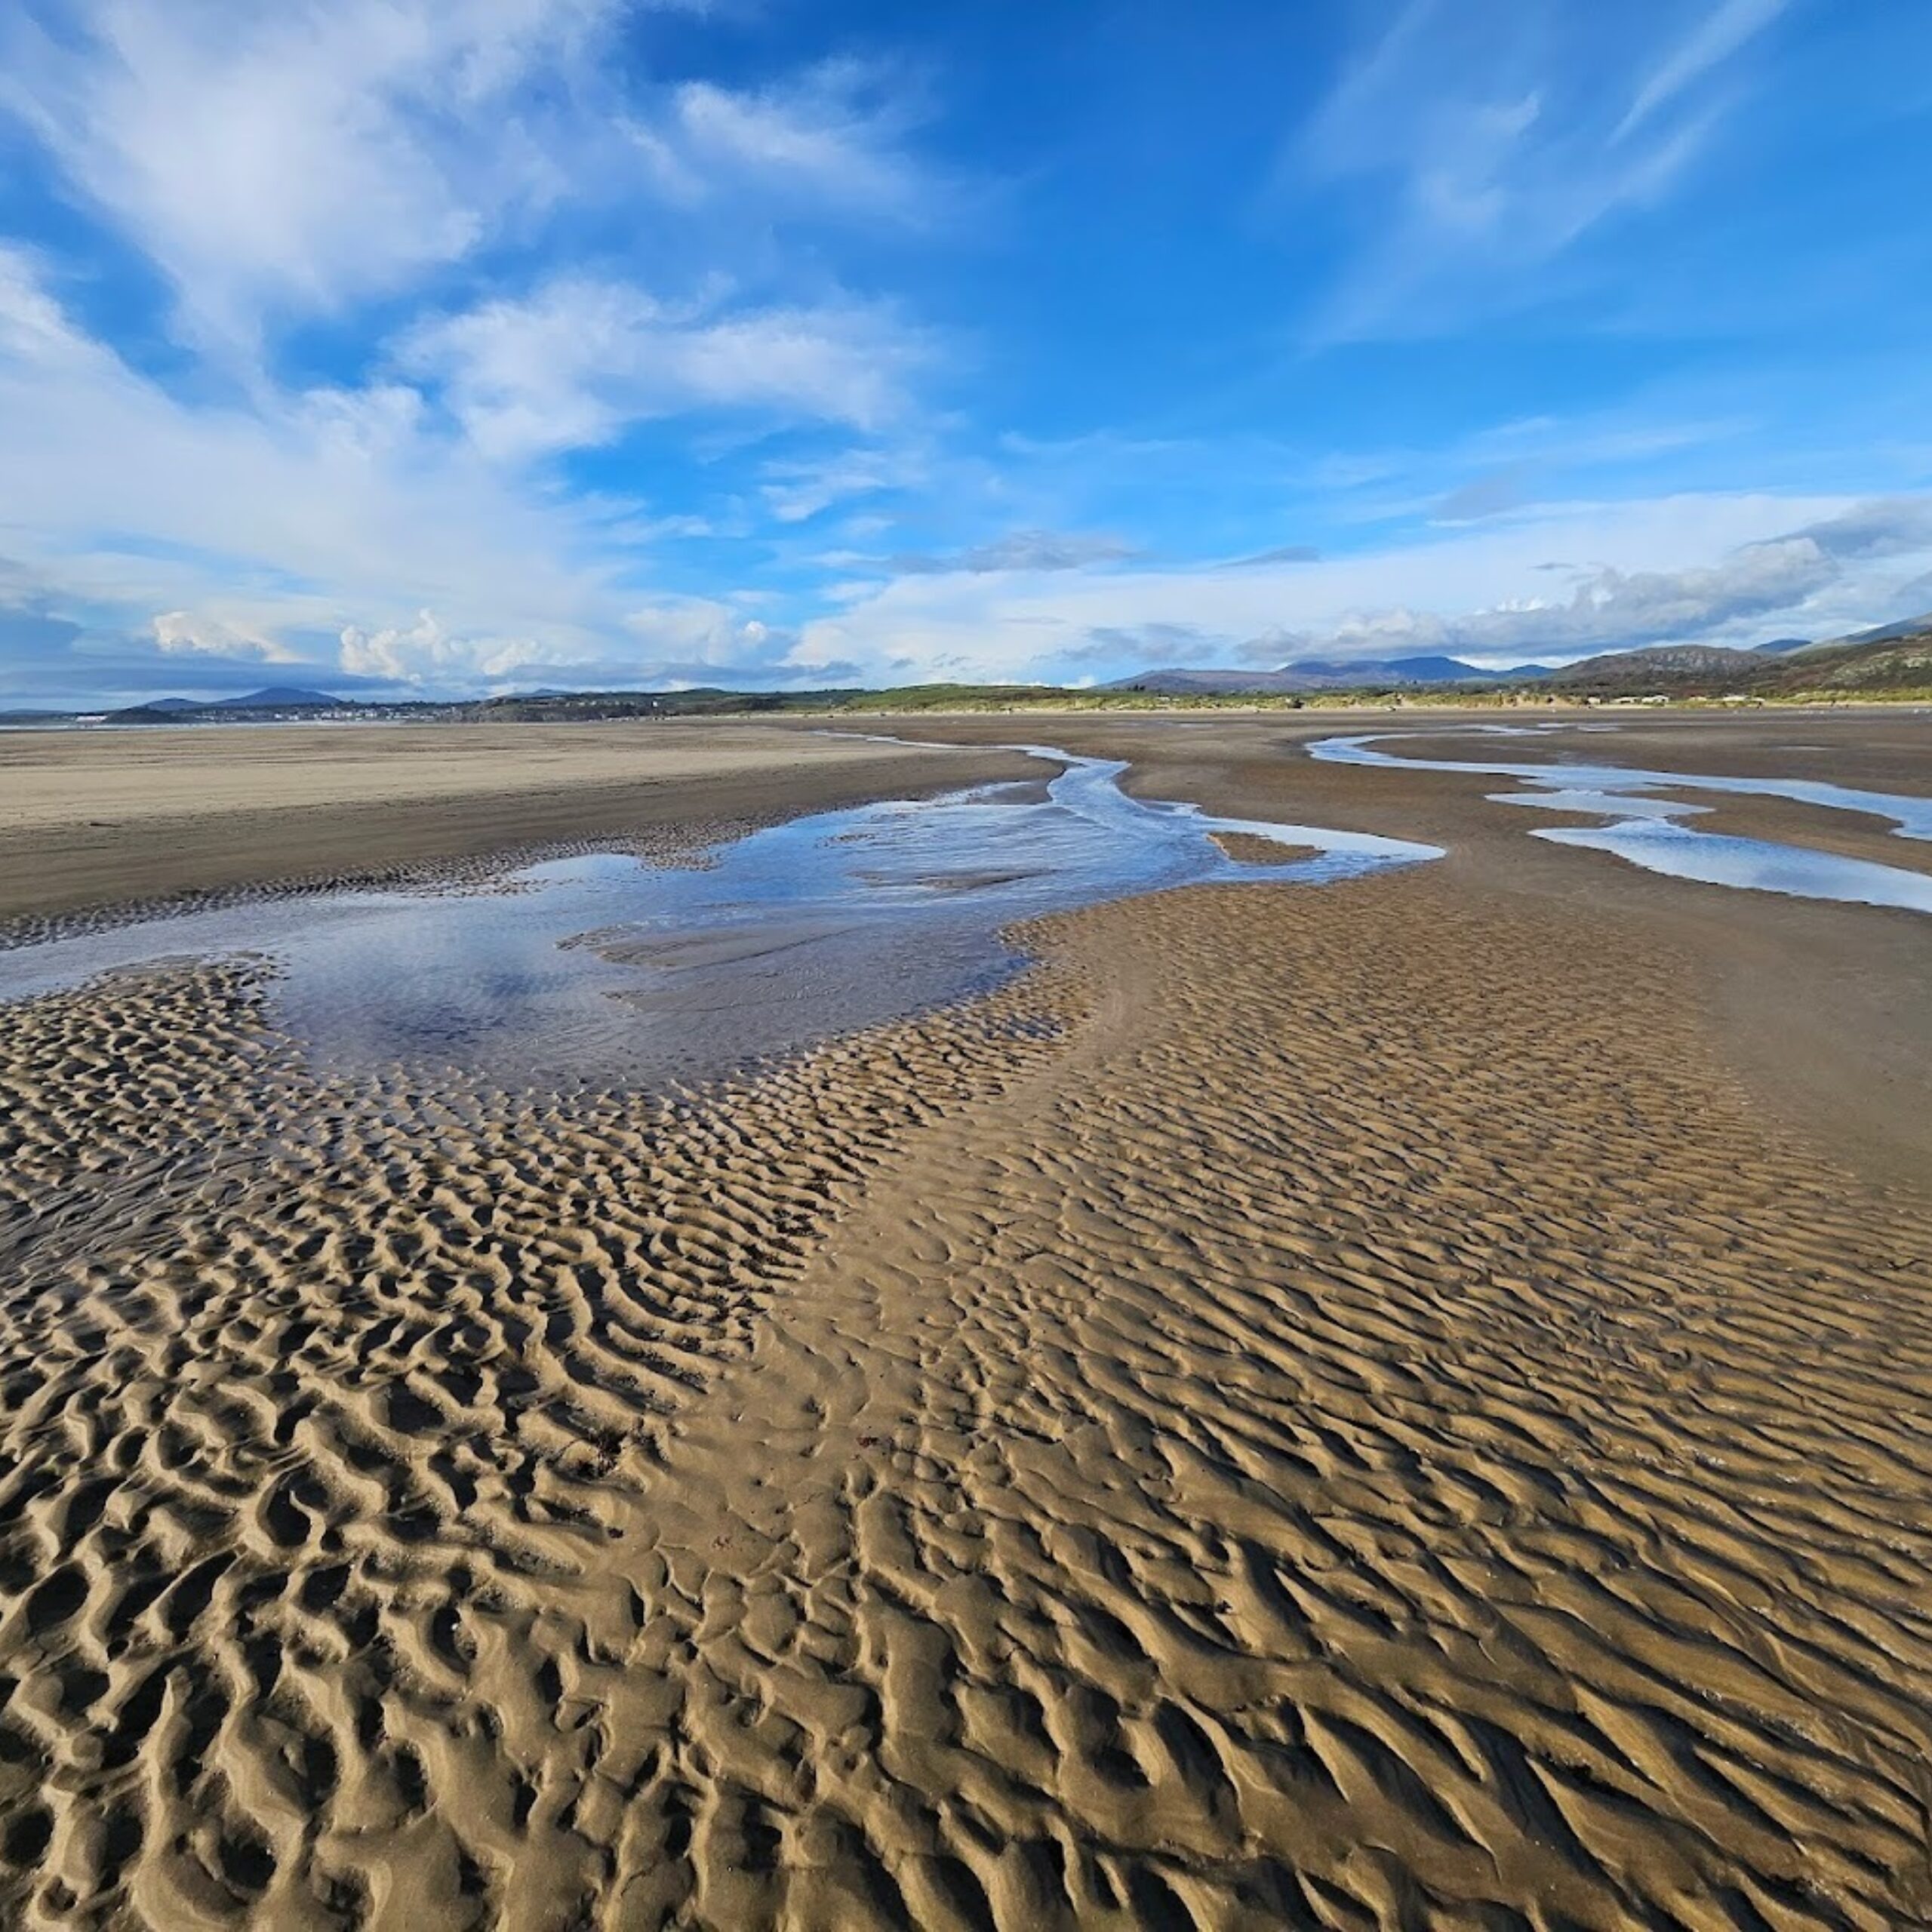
(1890, 660)
(1786, 662)
(276, 698)
(1327, 674)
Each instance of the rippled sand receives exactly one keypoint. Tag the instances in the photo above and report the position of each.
(1298, 1412)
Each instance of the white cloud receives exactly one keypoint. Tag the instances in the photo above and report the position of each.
(358, 514)
(307, 510)
(835, 135)
(1497, 136)
(203, 632)
(1713, 40)
(1018, 550)
(796, 491)
(292, 154)
(705, 632)
(1709, 567)
(1609, 608)
(407, 654)
(570, 365)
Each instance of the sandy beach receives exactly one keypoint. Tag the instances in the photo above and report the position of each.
(1399, 1403)
(93, 821)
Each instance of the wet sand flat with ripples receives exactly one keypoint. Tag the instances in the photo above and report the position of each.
(1361, 1405)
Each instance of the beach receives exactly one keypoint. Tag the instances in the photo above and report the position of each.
(93, 821)
(1402, 1402)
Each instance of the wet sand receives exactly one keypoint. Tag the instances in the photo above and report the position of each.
(1363, 1406)
(1826, 1006)
(92, 820)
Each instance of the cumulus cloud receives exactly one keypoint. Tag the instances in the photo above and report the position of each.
(569, 365)
(710, 632)
(301, 512)
(1722, 569)
(1886, 527)
(405, 654)
(176, 633)
(332, 167)
(1616, 610)
(347, 513)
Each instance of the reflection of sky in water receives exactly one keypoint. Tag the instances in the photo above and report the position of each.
(1650, 831)
(602, 966)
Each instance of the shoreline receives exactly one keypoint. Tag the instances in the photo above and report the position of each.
(1825, 1004)
(164, 851)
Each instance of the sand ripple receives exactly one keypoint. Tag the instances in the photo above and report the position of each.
(1315, 1409)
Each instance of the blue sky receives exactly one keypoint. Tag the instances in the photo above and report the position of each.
(452, 345)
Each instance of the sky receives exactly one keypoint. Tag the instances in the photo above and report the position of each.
(441, 347)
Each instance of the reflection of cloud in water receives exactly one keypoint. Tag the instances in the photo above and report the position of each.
(1650, 832)
(604, 968)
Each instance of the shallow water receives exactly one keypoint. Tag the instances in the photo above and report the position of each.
(605, 966)
(1652, 832)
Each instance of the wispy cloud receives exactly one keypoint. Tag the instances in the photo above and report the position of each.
(402, 175)
(1281, 553)
(795, 490)
(1495, 138)
(834, 135)
(1713, 41)
(1017, 550)
(294, 157)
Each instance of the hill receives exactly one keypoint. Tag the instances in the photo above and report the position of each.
(276, 700)
(1662, 668)
(276, 697)
(1894, 660)
(1896, 664)
(1324, 674)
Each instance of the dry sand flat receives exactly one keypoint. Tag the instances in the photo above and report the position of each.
(1326, 1406)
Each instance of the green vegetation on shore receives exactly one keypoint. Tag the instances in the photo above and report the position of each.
(1872, 669)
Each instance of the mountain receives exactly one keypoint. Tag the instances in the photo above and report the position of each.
(1906, 627)
(1454, 671)
(1325, 674)
(276, 697)
(1662, 665)
(1892, 659)
(1895, 660)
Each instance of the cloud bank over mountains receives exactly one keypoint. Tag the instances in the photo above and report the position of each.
(443, 346)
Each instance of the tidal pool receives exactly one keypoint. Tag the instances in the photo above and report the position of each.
(1652, 832)
(607, 968)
